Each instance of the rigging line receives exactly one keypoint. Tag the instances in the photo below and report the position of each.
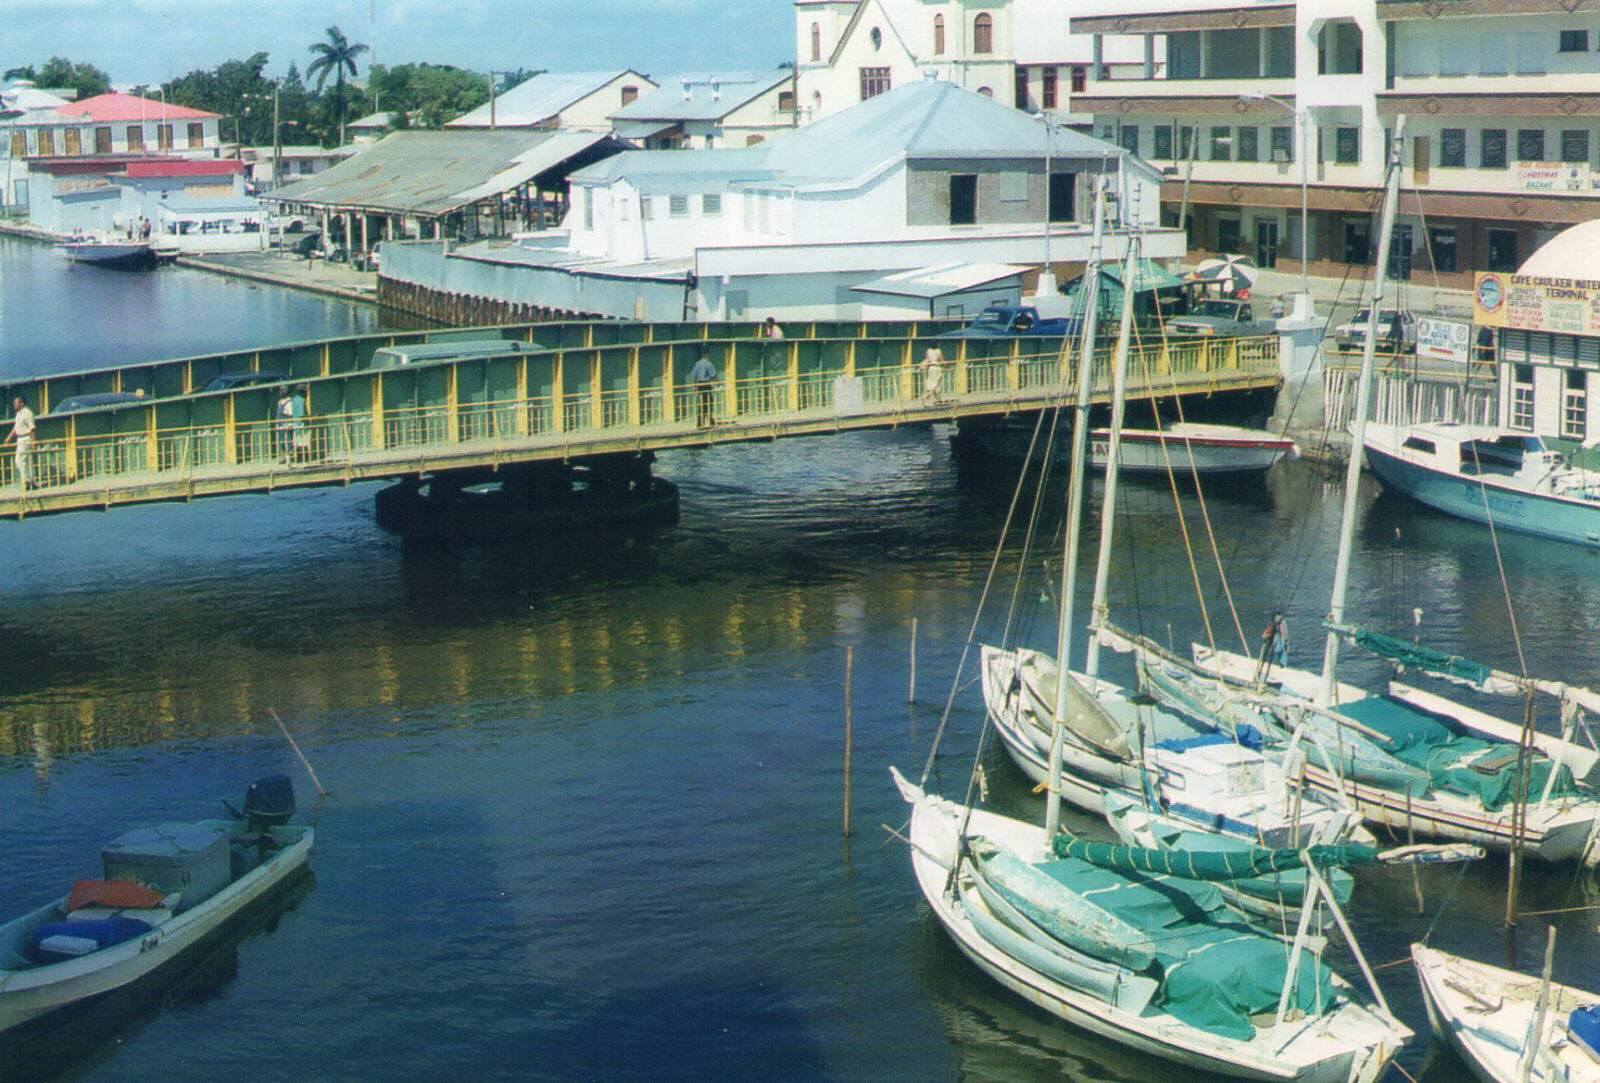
(1183, 525)
(1305, 542)
(1200, 497)
(1461, 870)
(972, 631)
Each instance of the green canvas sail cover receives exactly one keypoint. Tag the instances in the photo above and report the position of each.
(1216, 864)
(1456, 761)
(1416, 656)
(1215, 974)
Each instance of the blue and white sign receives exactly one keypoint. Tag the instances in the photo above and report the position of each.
(1444, 340)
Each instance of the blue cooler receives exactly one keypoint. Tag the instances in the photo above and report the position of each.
(1584, 1025)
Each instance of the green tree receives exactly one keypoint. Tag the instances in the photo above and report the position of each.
(59, 72)
(20, 73)
(426, 95)
(334, 57)
(236, 89)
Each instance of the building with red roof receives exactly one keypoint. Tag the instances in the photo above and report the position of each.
(113, 124)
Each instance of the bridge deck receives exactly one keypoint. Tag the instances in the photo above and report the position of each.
(555, 393)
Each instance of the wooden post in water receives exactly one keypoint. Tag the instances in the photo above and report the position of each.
(911, 695)
(849, 665)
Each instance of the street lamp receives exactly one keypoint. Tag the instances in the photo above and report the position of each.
(1047, 277)
(1301, 117)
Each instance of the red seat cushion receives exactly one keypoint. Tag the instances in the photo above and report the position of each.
(113, 893)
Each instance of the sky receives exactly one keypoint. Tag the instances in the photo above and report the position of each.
(152, 41)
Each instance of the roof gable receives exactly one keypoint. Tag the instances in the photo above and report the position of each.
(708, 96)
(543, 97)
(928, 119)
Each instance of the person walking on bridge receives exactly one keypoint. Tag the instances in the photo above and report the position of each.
(22, 427)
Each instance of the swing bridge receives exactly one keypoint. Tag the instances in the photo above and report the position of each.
(416, 404)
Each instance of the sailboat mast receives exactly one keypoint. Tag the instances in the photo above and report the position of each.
(1119, 401)
(1358, 428)
(1089, 297)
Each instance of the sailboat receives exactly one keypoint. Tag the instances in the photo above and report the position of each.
(1509, 1027)
(1092, 742)
(1409, 759)
(1107, 939)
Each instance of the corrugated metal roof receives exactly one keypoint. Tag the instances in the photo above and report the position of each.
(940, 281)
(928, 119)
(542, 97)
(708, 96)
(433, 173)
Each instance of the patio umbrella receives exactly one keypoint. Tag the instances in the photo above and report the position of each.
(1232, 273)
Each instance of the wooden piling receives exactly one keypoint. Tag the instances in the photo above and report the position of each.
(849, 666)
(911, 694)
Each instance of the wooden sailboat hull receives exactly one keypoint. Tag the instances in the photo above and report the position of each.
(1352, 1045)
(1485, 1015)
(1557, 830)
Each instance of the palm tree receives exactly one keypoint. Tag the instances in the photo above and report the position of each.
(333, 57)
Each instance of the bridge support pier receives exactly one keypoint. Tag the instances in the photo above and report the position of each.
(529, 502)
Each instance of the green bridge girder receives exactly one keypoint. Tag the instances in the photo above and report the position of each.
(556, 391)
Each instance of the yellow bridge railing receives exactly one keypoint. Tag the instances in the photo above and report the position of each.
(136, 446)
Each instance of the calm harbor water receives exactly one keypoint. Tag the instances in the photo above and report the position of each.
(584, 805)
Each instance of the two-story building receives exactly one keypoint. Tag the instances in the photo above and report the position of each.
(926, 175)
(1019, 52)
(711, 109)
(113, 124)
(1260, 107)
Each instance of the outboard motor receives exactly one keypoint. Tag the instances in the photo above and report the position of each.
(269, 802)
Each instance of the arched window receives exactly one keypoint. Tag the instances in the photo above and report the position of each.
(816, 41)
(986, 91)
(983, 33)
(876, 37)
(938, 35)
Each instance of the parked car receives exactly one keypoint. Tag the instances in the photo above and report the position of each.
(1352, 335)
(1004, 321)
(227, 381)
(97, 399)
(1222, 318)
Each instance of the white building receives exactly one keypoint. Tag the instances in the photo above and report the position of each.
(194, 204)
(711, 109)
(581, 101)
(1019, 52)
(927, 175)
(1502, 106)
(265, 165)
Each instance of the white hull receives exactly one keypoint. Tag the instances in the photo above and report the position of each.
(29, 993)
(1486, 1014)
(1190, 448)
(1202, 797)
(1557, 830)
(1352, 1045)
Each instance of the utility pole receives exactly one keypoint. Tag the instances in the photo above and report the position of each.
(277, 141)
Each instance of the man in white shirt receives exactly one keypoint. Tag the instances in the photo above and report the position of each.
(22, 432)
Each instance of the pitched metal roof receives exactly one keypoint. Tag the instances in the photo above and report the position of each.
(433, 173)
(941, 281)
(542, 97)
(928, 119)
(704, 96)
(117, 108)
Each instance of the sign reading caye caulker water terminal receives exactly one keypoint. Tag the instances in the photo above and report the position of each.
(1537, 303)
